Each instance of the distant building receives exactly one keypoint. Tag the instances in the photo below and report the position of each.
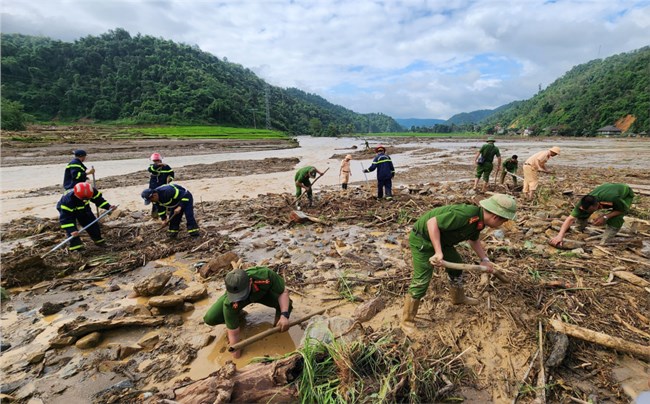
(609, 130)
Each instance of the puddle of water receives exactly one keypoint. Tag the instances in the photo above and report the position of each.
(258, 319)
(51, 318)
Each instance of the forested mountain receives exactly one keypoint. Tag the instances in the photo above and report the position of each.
(142, 79)
(615, 90)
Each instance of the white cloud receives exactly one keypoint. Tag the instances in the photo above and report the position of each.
(409, 58)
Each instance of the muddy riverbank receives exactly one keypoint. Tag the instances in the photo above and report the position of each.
(356, 251)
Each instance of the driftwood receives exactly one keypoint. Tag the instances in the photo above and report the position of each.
(470, 267)
(600, 338)
(255, 383)
(541, 376)
(631, 278)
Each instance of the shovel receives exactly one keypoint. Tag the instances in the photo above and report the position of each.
(67, 240)
(166, 221)
(95, 187)
(474, 268)
(300, 217)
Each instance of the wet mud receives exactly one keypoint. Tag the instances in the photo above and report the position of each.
(354, 251)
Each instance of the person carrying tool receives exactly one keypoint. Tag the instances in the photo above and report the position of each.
(74, 206)
(534, 164)
(345, 172)
(509, 166)
(385, 172)
(484, 162)
(161, 174)
(176, 199)
(76, 171)
(243, 287)
(436, 233)
(615, 197)
(301, 180)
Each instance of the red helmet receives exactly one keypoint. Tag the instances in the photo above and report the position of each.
(380, 147)
(83, 190)
(156, 156)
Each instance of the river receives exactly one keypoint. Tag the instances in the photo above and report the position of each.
(15, 181)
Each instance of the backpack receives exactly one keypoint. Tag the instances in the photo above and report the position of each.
(480, 160)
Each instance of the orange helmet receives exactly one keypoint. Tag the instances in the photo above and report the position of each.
(83, 190)
(156, 156)
(380, 147)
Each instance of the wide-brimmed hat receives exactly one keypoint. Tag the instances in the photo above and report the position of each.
(501, 205)
(555, 149)
(237, 285)
(490, 139)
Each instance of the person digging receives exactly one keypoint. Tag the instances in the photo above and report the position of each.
(615, 197)
(301, 180)
(74, 206)
(243, 287)
(436, 233)
(178, 200)
(160, 174)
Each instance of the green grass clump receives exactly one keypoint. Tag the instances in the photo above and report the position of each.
(378, 369)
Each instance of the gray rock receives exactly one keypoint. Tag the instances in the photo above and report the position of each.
(369, 309)
(149, 340)
(153, 285)
(325, 329)
(166, 301)
(194, 293)
(89, 341)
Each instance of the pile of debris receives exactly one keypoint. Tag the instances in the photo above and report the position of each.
(354, 248)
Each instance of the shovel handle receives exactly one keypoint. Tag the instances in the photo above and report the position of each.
(475, 268)
(64, 242)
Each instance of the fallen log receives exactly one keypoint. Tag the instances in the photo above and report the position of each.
(631, 278)
(600, 338)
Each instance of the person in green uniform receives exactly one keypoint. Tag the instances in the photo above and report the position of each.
(243, 287)
(615, 197)
(483, 161)
(436, 233)
(509, 166)
(302, 181)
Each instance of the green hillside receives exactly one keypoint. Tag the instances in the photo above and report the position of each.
(613, 91)
(143, 80)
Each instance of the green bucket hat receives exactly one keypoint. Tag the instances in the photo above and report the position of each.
(237, 285)
(490, 139)
(501, 205)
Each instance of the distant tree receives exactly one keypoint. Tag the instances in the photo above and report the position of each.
(315, 126)
(13, 117)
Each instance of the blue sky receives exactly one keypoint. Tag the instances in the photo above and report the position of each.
(406, 59)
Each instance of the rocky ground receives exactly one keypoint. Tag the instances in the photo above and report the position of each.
(124, 323)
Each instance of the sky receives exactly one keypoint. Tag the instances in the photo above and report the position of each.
(403, 58)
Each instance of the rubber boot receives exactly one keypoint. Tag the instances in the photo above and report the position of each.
(411, 307)
(458, 296)
(608, 235)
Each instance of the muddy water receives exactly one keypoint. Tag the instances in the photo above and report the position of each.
(632, 153)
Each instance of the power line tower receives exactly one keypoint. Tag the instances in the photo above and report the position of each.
(268, 110)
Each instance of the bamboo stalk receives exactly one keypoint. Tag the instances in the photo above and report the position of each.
(276, 329)
(600, 338)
